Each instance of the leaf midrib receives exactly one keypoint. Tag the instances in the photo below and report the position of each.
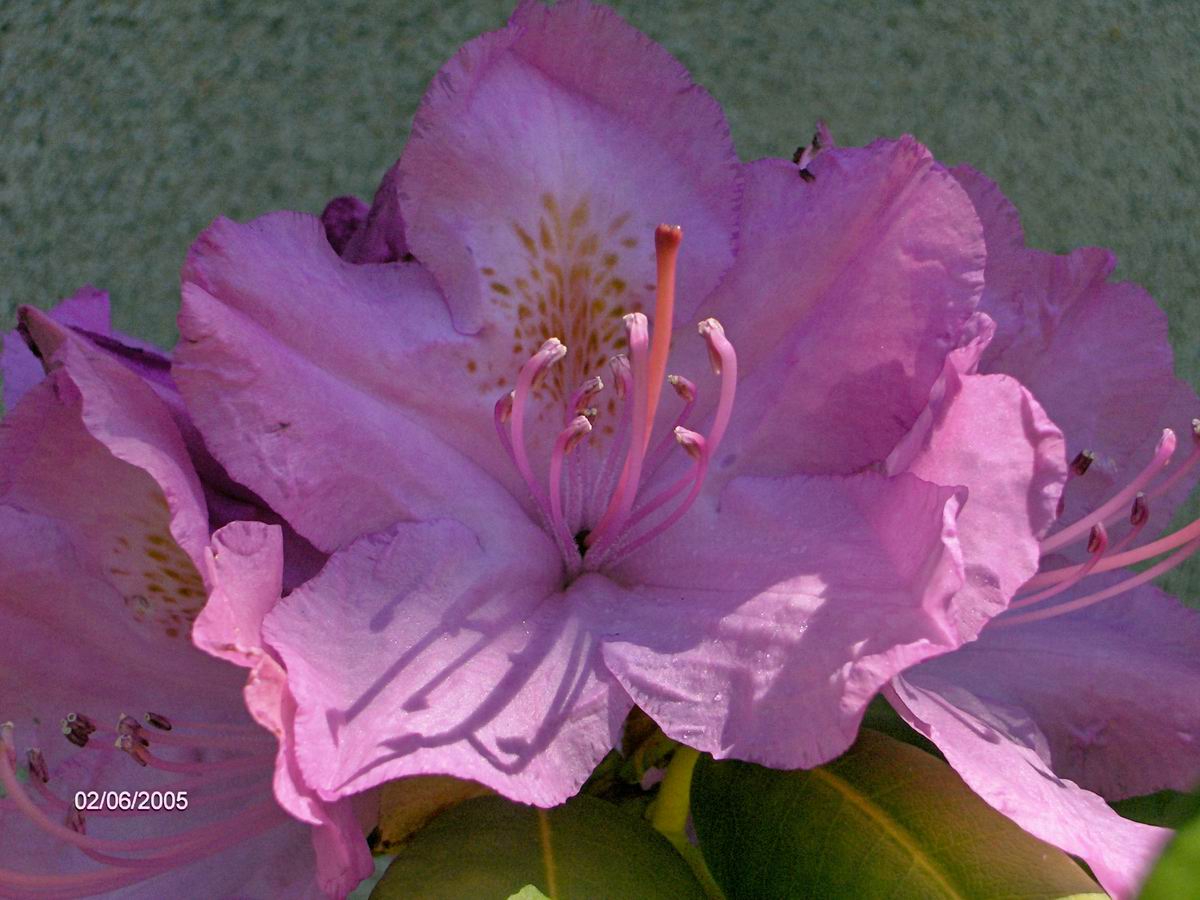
(898, 834)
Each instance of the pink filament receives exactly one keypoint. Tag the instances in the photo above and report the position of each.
(1165, 565)
(622, 498)
(1101, 539)
(1162, 456)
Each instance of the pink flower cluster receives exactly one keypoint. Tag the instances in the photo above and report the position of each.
(415, 467)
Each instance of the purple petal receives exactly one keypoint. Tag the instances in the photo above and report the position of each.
(1115, 687)
(761, 625)
(84, 653)
(1095, 354)
(381, 237)
(341, 218)
(1002, 755)
(91, 422)
(846, 296)
(87, 308)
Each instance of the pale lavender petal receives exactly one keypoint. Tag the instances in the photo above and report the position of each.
(987, 433)
(453, 653)
(541, 160)
(1003, 756)
(761, 626)
(271, 393)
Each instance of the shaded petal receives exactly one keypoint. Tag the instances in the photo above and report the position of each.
(541, 160)
(846, 296)
(337, 427)
(988, 433)
(1001, 754)
(85, 426)
(1114, 687)
(341, 218)
(87, 308)
(68, 646)
(1095, 354)
(761, 625)
(381, 237)
(449, 655)
(245, 567)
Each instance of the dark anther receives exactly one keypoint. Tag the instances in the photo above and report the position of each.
(798, 155)
(1082, 462)
(1141, 510)
(162, 723)
(75, 822)
(37, 765)
(808, 176)
(580, 539)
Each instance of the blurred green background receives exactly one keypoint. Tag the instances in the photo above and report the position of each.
(126, 127)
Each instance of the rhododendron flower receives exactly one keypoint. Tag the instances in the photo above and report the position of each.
(104, 534)
(1089, 686)
(529, 532)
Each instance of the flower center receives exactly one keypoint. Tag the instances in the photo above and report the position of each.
(596, 503)
(1131, 503)
(223, 771)
(571, 273)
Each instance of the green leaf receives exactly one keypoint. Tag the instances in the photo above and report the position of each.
(1170, 809)
(1177, 873)
(883, 820)
(492, 848)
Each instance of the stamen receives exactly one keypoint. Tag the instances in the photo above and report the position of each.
(532, 374)
(627, 485)
(162, 723)
(37, 765)
(1162, 456)
(1081, 463)
(1183, 468)
(136, 749)
(568, 439)
(696, 447)
(724, 362)
(1175, 559)
(75, 821)
(686, 392)
(622, 386)
(1097, 545)
(581, 400)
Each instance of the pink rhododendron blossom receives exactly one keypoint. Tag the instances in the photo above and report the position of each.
(546, 496)
(105, 565)
(1088, 687)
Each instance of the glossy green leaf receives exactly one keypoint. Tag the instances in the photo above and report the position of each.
(1170, 809)
(492, 848)
(1177, 874)
(884, 820)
